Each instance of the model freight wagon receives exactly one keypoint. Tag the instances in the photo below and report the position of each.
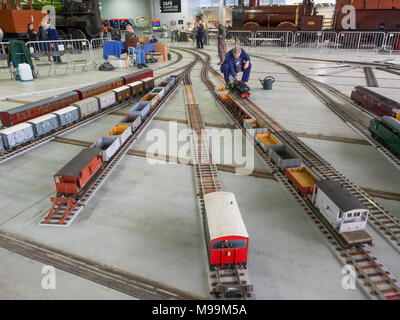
(108, 145)
(77, 173)
(17, 135)
(67, 115)
(134, 120)
(141, 108)
(254, 126)
(44, 124)
(87, 106)
(122, 93)
(106, 99)
(267, 141)
(137, 88)
(284, 157)
(302, 179)
(122, 131)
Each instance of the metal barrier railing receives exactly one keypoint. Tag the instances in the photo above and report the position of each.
(61, 54)
(3, 57)
(350, 41)
(97, 45)
(275, 39)
(392, 42)
(242, 38)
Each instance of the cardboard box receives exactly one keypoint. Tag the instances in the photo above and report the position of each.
(163, 49)
(120, 63)
(159, 57)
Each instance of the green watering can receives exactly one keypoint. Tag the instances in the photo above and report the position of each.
(267, 82)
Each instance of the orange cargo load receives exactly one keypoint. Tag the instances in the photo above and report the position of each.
(16, 21)
(117, 130)
(267, 139)
(302, 179)
(152, 98)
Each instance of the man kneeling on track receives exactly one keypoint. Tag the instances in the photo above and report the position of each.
(132, 41)
(236, 60)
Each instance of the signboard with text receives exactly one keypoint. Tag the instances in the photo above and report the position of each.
(170, 6)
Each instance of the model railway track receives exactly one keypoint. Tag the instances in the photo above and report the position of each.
(346, 116)
(397, 73)
(221, 281)
(8, 155)
(386, 224)
(64, 212)
(373, 277)
(370, 77)
(110, 277)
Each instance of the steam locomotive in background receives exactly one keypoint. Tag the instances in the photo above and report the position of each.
(371, 15)
(80, 18)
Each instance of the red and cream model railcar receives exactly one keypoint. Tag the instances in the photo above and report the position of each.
(36, 109)
(226, 234)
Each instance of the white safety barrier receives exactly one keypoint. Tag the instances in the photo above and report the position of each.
(392, 42)
(61, 54)
(361, 42)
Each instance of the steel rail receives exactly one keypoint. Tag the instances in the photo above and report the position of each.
(10, 154)
(221, 281)
(373, 277)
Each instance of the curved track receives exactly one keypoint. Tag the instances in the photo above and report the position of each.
(375, 279)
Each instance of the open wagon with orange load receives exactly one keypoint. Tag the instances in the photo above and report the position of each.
(302, 179)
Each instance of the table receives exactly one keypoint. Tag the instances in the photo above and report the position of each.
(113, 48)
(147, 47)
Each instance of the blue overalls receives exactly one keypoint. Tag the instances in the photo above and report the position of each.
(232, 66)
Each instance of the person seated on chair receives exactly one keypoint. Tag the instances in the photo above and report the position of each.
(132, 41)
(236, 60)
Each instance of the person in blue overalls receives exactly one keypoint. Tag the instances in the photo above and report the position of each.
(236, 60)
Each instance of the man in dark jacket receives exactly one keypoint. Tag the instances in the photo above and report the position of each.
(131, 41)
(221, 43)
(236, 60)
(31, 33)
(200, 35)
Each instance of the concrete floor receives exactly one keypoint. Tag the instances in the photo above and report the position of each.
(145, 218)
